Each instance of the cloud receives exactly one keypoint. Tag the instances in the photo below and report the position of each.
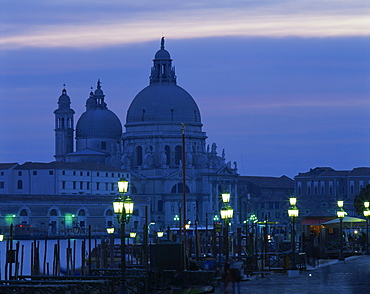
(97, 25)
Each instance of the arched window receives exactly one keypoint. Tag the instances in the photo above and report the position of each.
(20, 184)
(109, 212)
(139, 155)
(178, 154)
(178, 188)
(53, 212)
(167, 150)
(82, 212)
(160, 205)
(23, 212)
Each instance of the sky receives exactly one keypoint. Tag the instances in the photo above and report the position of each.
(282, 86)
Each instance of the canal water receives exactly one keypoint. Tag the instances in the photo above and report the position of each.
(48, 246)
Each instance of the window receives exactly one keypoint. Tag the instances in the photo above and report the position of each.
(271, 205)
(20, 184)
(97, 185)
(331, 188)
(2, 185)
(81, 173)
(106, 186)
(315, 188)
(74, 185)
(112, 175)
(88, 174)
(63, 184)
(178, 154)
(97, 174)
(106, 174)
(352, 184)
(53, 212)
(74, 173)
(64, 173)
(104, 145)
(81, 185)
(361, 185)
(51, 172)
(88, 185)
(167, 151)
(178, 188)
(34, 173)
(23, 212)
(160, 205)
(112, 186)
(2, 173)
(139, 155)
(299, 188)
(322, 188)
(308, 188)
(19, 173)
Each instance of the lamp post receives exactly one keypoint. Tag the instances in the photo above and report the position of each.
(123, 208)
(226, 214)
(293, 213)
(367, 214)
(341, 213)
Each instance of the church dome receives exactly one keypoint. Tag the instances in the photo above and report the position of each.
(163, 103)
(162, 54)
(98, 121)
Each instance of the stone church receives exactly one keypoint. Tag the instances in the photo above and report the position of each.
(162, 119)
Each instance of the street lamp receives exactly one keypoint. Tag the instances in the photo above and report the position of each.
(341, 213)
(110, 230)
(123, 209)
(225, 197)
(367, 214)
(293, 213)
(187, 225)
(227, 213)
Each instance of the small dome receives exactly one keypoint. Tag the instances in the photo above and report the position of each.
(98, 123)
(162, 54)
(163, 103)
(64, 98)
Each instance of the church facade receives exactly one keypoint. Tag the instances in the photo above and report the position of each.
(162, 148)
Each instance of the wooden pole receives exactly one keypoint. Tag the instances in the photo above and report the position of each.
(184, 189)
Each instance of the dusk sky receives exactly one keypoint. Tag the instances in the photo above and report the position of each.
(282, 86)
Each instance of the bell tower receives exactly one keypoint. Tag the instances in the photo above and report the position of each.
(63, 127)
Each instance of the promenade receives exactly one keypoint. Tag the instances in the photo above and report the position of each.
(331, 277)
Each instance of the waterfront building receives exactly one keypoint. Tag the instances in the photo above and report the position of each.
(322, 187)
(162, 120)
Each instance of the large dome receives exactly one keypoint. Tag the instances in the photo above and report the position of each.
(98, 123)
(163, 103)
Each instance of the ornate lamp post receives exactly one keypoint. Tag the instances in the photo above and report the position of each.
(341, 213)
(367, 214)
(226, 214)
(293, 213)
(123, 209)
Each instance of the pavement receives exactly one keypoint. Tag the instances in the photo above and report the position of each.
(351, 276)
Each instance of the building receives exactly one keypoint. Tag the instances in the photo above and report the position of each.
(322, 187)
(267, 198)
(163, 130)
(58, 198)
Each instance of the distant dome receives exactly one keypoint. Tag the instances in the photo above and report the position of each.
(64, 98)
(162, 54)
(98, 123)
(163, 103)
